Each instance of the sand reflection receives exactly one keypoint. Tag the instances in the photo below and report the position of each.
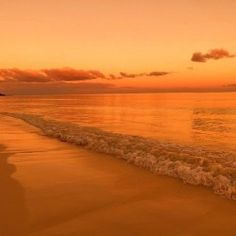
(13, 212)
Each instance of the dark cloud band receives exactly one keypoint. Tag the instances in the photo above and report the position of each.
(64, 75)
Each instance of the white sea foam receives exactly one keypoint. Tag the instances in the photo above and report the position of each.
(193, 165)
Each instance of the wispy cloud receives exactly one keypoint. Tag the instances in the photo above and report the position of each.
(127, 75)
(151, 74)
(158, 73)
(214, 54)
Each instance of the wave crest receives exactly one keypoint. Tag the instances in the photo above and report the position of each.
(193, 165)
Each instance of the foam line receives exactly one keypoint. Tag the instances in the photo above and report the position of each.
(193, 165)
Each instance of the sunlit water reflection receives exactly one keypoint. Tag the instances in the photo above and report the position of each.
(202, 119)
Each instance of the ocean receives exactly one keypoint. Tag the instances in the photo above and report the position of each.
(190, 136)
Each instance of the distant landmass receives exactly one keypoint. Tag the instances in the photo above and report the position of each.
(2, 94)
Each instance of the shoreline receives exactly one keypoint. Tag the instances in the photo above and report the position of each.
(192, 165)
(60, 189)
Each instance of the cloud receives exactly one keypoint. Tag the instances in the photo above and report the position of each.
(198, 57)
(214, 54)
(68, 74)
(158, 73)
(15, 75)
(48, 75)
(65, 75)
(151, 74)
(126, 75)
(114, 77)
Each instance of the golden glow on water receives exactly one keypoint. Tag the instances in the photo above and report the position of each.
(204, 119)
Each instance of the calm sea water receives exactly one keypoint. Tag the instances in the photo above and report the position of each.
(201, 119)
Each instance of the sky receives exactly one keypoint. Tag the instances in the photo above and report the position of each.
(62, 46)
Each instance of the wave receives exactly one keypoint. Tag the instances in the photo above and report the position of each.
(193, 165)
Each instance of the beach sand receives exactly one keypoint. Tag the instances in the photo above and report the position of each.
(50, 188)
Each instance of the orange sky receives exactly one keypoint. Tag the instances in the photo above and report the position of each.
(131, 36)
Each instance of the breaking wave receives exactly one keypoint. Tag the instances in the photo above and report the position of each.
(193, 165)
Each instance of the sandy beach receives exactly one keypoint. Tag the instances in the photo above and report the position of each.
(50, 188)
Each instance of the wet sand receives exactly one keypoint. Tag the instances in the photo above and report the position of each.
(50, 188)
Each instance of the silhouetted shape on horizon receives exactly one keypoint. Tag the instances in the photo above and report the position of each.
(2, 94)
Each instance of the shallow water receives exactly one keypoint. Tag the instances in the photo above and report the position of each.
(188, 136)
(202, 119)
